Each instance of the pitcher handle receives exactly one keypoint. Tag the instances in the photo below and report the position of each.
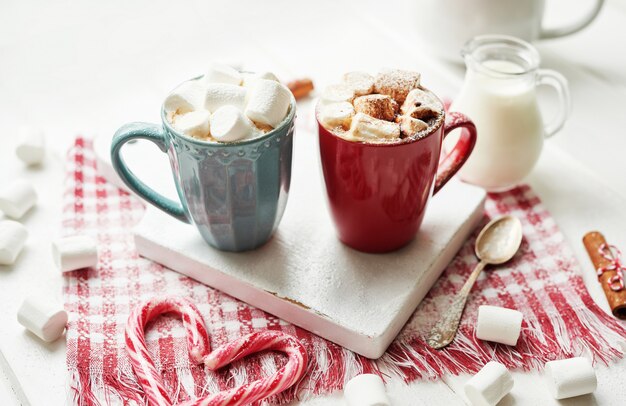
(559, 83)
(461, 151)
(574, 27)
(153, 133)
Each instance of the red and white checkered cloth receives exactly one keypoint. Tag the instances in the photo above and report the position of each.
(560, 318)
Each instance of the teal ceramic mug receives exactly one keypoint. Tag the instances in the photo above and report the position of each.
(234, 193)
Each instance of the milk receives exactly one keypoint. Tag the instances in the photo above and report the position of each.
(501, 100)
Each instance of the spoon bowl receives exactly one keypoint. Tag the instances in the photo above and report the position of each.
(499, 240)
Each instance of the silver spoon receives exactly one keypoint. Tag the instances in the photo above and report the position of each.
(497, 243)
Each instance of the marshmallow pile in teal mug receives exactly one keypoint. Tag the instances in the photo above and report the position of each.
(230, 155)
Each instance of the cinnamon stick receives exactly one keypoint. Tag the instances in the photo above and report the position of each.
(301, 87)
(593, 242)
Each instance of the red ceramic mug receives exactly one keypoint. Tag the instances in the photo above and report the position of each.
(378, 192)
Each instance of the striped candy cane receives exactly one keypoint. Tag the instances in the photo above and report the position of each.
(262, 388)
(141, 360)
(199, 348)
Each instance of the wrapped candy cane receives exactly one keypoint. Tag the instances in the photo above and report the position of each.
(199, 348)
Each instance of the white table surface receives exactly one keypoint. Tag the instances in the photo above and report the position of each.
(88, 67)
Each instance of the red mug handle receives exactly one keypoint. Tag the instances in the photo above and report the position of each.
(461, 151)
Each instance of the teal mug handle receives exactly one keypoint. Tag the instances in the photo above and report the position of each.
(153, 133)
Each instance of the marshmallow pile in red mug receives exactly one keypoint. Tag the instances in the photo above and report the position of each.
(386, 108)
(226, 105)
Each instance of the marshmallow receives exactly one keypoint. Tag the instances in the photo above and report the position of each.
(31, 148)
(362, 83)
(377, 105)
(194, 124)
(369, 128)
(421, 104)
(570, 377)
(17, 198)
(189, 96)
(12, 238)
(337, 94)
(410, 126)
(229, 124)
(250, 78)
(268, 102)
(220, 73)
(266, 76)
(222, 94)
(336, 114)
(76, 252)
(396, 83)
(489, 385)
(43, 317)
(365, 390)
(499, 324)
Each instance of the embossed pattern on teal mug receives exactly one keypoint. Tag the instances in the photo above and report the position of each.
(234, 193)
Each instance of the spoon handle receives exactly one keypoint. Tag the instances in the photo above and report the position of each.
(445, 330)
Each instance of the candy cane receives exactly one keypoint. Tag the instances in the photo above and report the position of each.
(262, 388)
(197, 342)
(198, 345)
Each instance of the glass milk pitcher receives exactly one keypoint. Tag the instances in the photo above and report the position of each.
(499, 95)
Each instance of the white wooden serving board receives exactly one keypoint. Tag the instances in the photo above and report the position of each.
(304, 275)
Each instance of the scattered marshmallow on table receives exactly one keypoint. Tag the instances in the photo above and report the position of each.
(43, 317)
(17, 198)
(229, 124)
(76, 252)
(194, 123)
(12, 238)
(365, 390)
(570, 377)
(220, 73)
(489, 385)
(223, 94)
(189, 96)
(268, 102)
(31, 148)
(499, 324)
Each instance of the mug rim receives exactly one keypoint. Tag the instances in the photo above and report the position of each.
(284, 123)
(406, 141)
